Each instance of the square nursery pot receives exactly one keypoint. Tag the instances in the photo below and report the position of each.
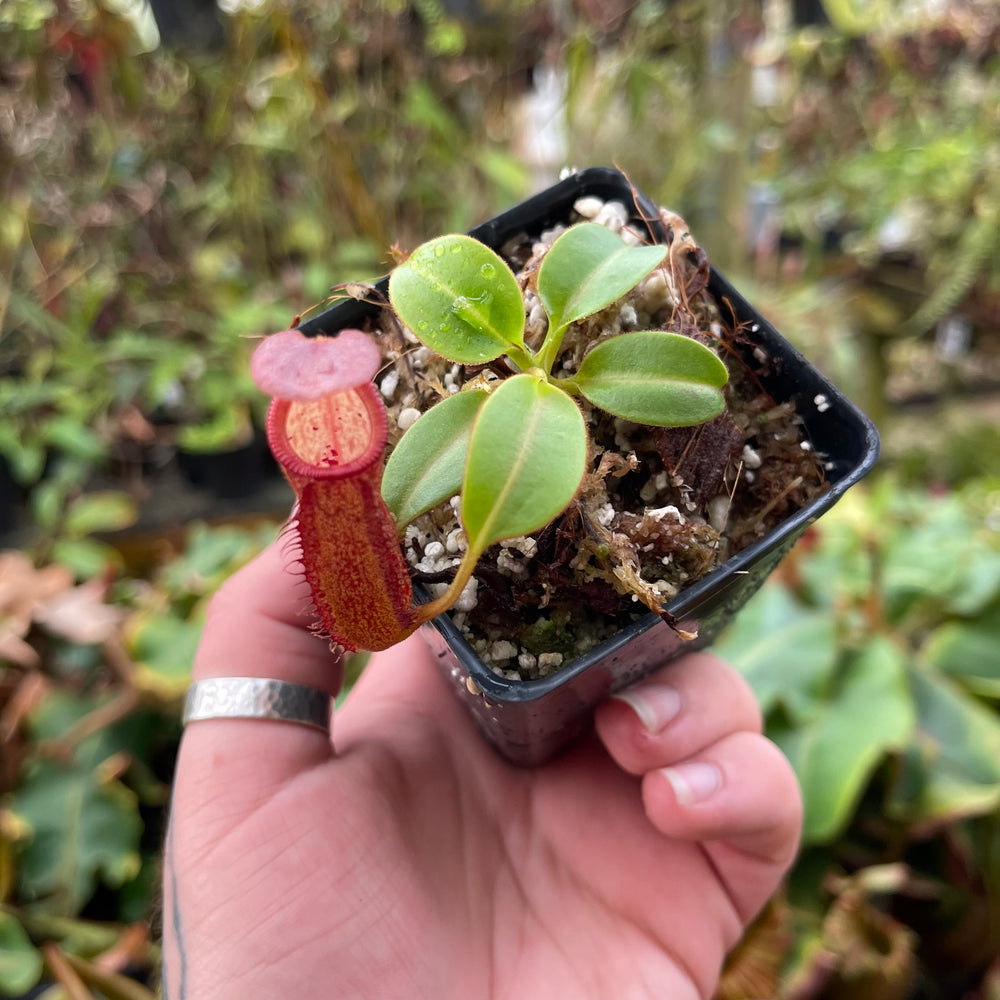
(530, 721)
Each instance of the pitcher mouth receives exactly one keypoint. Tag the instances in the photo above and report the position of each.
(300, 433)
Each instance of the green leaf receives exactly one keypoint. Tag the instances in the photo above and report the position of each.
(83, 827)
(526, 460)
(588, 268)
(86, 557)
(460, 299)
(427, 465)
(938, 556)
(103, 510)
(163, 647)
(786, 651)
(835, 753)
(20, 961)
(981, 583)
(25, 458)
(969, 652)
(211, 555)
(228, 429)
(653, 377)
(85, 824)
(957, 755)
(66, 434)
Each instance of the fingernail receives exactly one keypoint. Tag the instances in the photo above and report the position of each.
(655, 704)
(693, 782)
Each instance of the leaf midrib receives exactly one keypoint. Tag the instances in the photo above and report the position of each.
(517, 466)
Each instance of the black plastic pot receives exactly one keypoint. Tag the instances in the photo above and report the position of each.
(233, 474)
(530, 721)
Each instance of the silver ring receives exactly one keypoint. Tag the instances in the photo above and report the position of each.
(257, 698)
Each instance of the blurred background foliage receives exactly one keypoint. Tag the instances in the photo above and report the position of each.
(179, 178)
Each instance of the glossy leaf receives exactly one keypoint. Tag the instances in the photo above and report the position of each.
(587, 268)
(955, 770)
(526, 460)
(653, 377)
(786, 651)
(428, 464)
(835, 753)
(460, 299)
(937, 556)
(968, 651)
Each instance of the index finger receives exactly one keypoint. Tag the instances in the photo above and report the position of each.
(258, 625)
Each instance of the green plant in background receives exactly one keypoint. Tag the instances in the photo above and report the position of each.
(873, 655)
(130, 256)
(648, 82)
(101, 672)
(918, 124)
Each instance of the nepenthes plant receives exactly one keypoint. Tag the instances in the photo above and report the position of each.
(513, 447)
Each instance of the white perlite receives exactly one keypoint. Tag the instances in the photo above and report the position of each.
(718, 511)
(605, 515)
(388, 385)
(659, 513)
(613, 215)
(502, 649)
(588, 207)
(407, 418)
(524, 544)
(507, 563)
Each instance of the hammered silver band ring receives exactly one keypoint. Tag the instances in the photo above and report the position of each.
(257, 698)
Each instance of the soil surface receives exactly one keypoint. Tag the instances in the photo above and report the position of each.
(658, 508)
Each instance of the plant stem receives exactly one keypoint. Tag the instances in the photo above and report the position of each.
(447, 600)
(523, 358)
(110, 983)
(546, 356)
(67, 977)
(567, 385)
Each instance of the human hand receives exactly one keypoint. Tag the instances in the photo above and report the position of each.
(408, 860)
